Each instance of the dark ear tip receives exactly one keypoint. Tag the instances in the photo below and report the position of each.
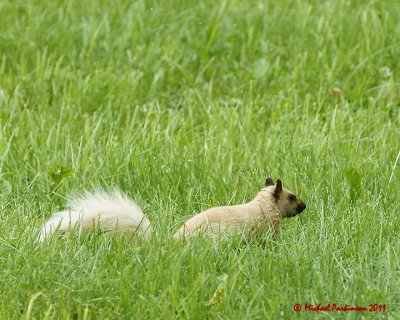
(279, 184)
(269, 182)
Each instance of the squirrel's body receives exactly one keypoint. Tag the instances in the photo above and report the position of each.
(258, 214)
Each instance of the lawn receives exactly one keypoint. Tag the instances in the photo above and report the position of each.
(187, 105)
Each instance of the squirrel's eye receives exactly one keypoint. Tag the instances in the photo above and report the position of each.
(292, 197)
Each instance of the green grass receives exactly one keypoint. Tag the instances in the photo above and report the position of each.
(187, 105)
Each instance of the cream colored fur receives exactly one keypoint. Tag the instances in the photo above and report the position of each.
(110, 211)
(260, 214)
(115, 211)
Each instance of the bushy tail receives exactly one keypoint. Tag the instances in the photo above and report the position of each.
(110, 211)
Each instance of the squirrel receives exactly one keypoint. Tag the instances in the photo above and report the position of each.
(116, 211)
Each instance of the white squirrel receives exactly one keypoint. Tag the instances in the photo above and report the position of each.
(116, 211)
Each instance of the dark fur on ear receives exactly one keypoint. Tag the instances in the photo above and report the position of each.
(278, 188)
(269, 182)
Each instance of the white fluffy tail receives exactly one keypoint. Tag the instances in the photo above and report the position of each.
(110, 211)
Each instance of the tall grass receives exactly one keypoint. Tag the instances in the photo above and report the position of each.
(187, 105)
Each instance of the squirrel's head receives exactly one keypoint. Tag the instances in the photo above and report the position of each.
(288, 203)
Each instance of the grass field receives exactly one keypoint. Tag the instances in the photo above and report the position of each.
(187, 105)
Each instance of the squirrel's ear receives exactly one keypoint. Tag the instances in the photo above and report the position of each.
(269, 182)
(278, 188)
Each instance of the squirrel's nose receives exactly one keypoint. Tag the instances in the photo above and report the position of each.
(301, 207)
